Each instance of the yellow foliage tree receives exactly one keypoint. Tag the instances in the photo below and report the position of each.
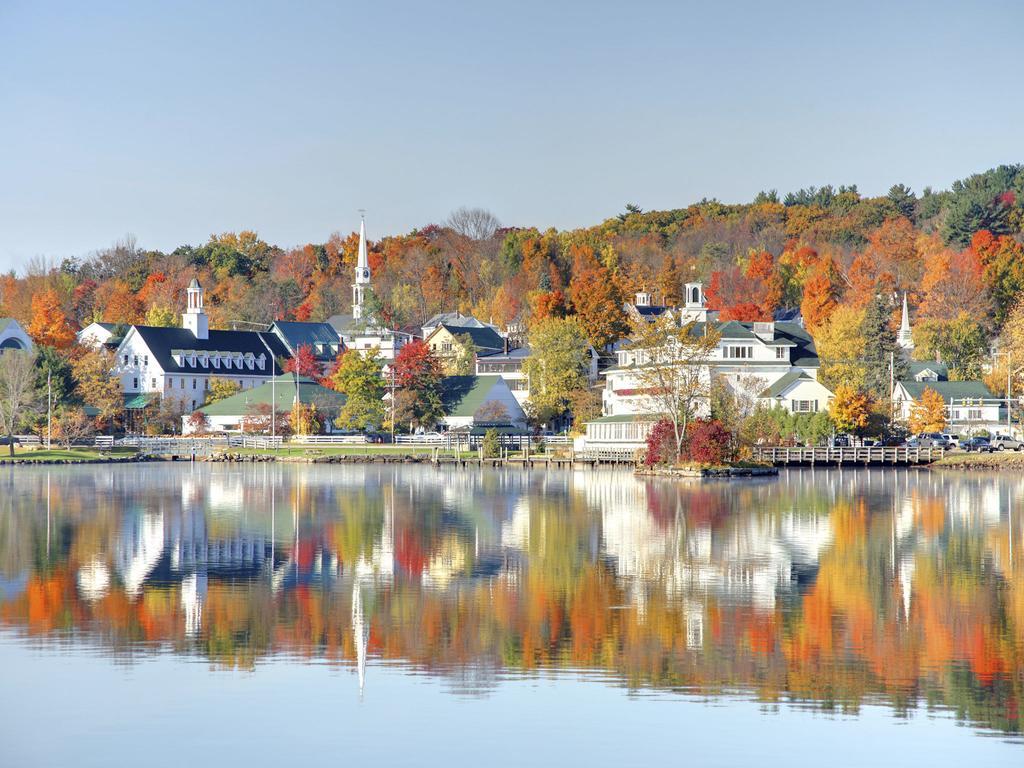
(840, 345)
(928, 414)
(850, 409)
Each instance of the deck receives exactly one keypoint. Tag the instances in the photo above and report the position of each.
(866, 456)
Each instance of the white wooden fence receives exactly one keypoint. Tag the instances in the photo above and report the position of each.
(328, 439)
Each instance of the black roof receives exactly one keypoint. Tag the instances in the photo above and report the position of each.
(483, 338)
(162, 342)
(318, 336)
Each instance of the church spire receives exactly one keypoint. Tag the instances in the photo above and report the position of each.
(905, 338)
(362, 272)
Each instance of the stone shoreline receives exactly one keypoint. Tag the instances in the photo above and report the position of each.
(712, 472)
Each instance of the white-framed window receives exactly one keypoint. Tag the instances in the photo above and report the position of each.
(135, 383)
(780, 353)
(737, 353)
(974, 414)
(805, 406)
(193, 383)
(135, 360)
(183, 383)
(152, 383)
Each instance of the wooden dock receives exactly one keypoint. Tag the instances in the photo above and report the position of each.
(865, 456)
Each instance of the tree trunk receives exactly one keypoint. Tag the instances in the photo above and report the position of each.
(10, 443)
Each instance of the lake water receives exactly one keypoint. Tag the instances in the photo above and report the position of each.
(177, 615)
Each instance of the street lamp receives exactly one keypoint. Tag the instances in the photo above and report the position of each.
(1010, 373)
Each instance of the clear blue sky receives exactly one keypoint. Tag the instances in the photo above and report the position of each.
(175, 120)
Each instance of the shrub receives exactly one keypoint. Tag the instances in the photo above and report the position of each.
(491, 444)
(708, 442)
(661, 444)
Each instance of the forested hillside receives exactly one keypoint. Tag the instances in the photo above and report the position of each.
(958, 254)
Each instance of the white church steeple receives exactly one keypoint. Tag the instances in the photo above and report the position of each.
(905, 337)
(362, 273)
(195, 319)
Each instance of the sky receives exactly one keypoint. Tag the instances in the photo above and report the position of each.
(174, 121)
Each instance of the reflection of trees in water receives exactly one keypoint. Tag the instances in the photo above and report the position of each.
(827, 588)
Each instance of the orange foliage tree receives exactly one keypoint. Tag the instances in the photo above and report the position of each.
(821, 294)
(50, 326)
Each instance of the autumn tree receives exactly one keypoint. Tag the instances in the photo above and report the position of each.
(597, 302)
(161, 317)
(50, 326)
(960, 343)
(821, 294)
(97, 384)
(71, 424)
(928, 413)
(840, 345)
(17, 390)
(557, 366)
(418, 379)
(1002, 260)
(850, 410)
(303, 362)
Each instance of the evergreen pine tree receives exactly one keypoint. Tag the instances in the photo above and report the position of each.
(880, 347)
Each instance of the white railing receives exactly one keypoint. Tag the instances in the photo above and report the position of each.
(255, 441)
(104, 441)
(556, 439)
(329, 439)
(423, 439)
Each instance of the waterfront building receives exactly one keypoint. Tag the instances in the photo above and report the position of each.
(470, 401)
(96, 335)
(970, 405)
(445, 341)
(229, 414)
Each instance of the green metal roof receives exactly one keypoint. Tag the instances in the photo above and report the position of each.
(780, 386)
(138, 401)
(282, 389)
(916, 367)
(462, 396)
(950, 390)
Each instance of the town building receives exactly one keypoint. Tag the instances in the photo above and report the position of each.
(774, 364)
(321, 338)
(470, 401)
(229, 414)
(970, 405)
(358, 330)
(445, 343)
(454, 320)
(96, 335)
(13, 336)
(156, 362)
(509, 365)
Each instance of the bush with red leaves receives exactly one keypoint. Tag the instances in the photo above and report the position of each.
(707, 442)
(661, 444)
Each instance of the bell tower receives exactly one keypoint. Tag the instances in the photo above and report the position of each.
(362, 281)
(195, 318)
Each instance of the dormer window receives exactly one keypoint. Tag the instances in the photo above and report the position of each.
(261, 361)
(204, 359)
(249, 360)
(215, 359)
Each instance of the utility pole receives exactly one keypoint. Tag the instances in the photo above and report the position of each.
(49, 410)
(892, 385)
(1009, 371)
(392, 367)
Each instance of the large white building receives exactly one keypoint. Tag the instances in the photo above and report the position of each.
(179, 362)
(771, 363)
(13, 336)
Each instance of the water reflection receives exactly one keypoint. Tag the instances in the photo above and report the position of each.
(829, 589)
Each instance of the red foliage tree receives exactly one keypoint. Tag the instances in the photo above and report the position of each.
(416, 367)
(708, 442)
(661, 444)
(303, 362)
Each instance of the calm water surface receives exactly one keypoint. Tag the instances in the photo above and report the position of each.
(228, 615)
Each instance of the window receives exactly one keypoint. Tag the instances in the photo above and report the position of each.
(152, 383)
(780, 353)
(193, 383)
(206, 384)
(135, 359)
(974, 414)
(126, 359)
(183, 383)
(135, 383)
(170, 383)
(145, 360)
(737, 353)
(805, 406)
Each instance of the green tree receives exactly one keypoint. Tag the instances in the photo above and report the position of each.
(221, 389)
(161, 317)
(961, 344)
(463, 362)
(880, 348)
(51, 362)
(358, 377)
(557, 366)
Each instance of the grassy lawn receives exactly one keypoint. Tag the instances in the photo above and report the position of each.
(28, 454)
(997, 460)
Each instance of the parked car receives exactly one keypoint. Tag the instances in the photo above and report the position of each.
(4, 440)
(1006, 443)
(840, 441)
(927, 440)
(979, 444)
(952, 441)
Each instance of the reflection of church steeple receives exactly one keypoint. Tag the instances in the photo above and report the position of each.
(360, 632)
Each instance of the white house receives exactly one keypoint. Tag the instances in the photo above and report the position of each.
(13, 336)
(469, 401)
(179, 362)
(96, 335)
(970, 405)
(360, 332)
(509, 365)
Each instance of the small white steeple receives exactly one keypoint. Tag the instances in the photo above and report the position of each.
(694, 308)
(905, 338)
(195, 319)
(362, 272)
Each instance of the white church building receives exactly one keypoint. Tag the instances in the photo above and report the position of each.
(180, 362)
